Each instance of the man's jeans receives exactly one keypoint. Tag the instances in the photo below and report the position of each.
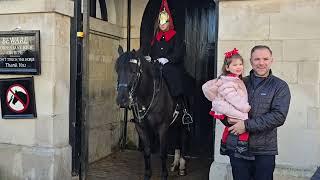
(259, 169)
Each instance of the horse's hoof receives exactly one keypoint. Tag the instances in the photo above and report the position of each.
(174, 167)
(182, 172)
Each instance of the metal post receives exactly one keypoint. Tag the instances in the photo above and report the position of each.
(75, 104)
(129, 26)
(85, 91)
(124, 139)
(124, 135)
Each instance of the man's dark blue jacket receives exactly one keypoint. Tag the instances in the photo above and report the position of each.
(269, 101)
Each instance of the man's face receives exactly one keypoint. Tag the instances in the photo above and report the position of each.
(261, 60)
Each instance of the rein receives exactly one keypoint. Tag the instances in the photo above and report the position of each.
(133, 101)
(135, 106)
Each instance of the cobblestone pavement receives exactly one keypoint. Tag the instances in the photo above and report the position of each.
(129, 165)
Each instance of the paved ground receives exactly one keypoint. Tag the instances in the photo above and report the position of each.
(129, 165)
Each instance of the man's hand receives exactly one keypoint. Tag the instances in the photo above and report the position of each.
(233, 120)
(238, 128)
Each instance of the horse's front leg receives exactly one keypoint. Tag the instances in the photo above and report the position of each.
(146, 151)
(147, 163)
(176, 136)
(184, 143)
(163, 150)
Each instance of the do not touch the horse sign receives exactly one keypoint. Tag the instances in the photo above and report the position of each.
(17, 98)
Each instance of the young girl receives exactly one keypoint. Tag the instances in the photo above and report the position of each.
(229, 98)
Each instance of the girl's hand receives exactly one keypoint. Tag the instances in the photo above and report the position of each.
(233, 120)
(238, 128)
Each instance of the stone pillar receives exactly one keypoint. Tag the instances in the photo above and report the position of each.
(291, 28)
(39, 148)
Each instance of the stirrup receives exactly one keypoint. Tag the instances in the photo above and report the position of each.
(186, 118)
(175, 115)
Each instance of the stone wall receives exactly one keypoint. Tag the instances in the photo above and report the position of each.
(106, 119)
(291, 28)
(104, 115)
(39, 148)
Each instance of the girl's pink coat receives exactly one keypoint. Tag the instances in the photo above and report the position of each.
(228, 96)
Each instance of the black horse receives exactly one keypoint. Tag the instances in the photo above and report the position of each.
(142, 89)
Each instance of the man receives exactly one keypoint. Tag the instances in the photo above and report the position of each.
(269, 98)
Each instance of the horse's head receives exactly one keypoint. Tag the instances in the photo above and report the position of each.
(128, 71)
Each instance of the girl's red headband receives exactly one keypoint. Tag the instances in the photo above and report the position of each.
(229, 54)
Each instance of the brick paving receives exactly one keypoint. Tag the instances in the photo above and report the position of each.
(129, 165)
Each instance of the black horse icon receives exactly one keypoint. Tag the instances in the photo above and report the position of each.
(22, 96)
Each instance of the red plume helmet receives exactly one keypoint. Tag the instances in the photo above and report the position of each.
(165, 14)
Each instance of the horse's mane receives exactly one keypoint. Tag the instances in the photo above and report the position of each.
(124, 58)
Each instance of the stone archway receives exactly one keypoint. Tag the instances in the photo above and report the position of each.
(200, 57)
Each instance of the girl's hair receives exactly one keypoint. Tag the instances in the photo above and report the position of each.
(227, 61)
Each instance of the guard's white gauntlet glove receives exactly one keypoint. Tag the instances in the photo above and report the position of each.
(148, 58)
(163, 61)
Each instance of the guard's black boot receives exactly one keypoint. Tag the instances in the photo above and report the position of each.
(242, 151)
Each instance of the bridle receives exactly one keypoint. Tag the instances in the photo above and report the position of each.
(133, 102)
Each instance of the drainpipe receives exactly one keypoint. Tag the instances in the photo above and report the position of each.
(124, 138)
(75, 103)
(129, 26)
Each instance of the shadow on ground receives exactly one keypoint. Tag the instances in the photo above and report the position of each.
(129, 165)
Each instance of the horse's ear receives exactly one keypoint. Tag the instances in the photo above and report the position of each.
(134, 51)
(139, 51)
(120, 50)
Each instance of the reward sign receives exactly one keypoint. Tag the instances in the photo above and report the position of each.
(20, 52)
(17, 98)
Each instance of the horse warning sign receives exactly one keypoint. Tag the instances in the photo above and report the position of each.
(17, 98)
